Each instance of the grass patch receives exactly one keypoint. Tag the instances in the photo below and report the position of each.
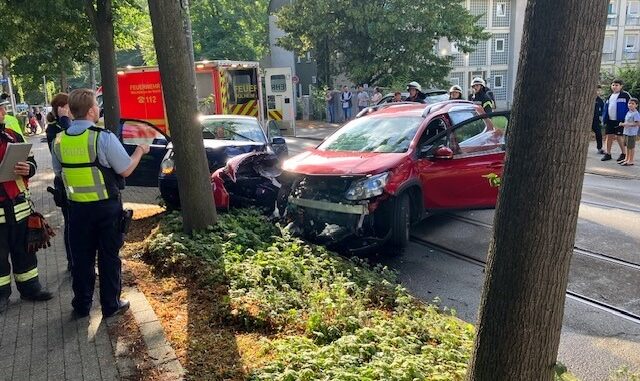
(273, 307)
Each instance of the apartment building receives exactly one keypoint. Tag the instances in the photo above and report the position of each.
(496, 60)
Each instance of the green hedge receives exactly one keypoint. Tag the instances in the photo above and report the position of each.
(333, 318)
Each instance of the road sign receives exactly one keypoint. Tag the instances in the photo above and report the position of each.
(295, 79)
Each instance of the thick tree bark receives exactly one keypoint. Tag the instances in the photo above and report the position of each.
(527, 272)
(171, 34)
(102, 19)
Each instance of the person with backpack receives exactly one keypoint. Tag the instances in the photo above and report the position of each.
(482, 95)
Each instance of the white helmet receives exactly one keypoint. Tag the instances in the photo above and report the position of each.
(455, 88)
(478, 81)
(415, 85)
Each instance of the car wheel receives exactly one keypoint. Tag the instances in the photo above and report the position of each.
(401, 222)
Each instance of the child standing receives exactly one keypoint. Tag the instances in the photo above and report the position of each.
(631, 125)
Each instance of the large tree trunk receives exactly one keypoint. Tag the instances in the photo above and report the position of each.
(172, 39)
(102, 20)
(527, 272)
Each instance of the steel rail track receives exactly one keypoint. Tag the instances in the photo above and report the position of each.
(627, 315)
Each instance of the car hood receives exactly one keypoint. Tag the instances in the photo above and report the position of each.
(317, 162)
(220, 151)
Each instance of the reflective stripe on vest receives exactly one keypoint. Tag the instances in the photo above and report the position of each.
(20, 212)
(5, 280)
(81, 175)
(26, 276)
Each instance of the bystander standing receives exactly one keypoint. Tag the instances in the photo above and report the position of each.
(363, 99)
(631, 125)
(345, 99)
(613, 113)
(596, 124)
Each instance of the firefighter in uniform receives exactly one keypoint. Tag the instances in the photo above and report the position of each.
(93, 163)
(14, 211)
(482, 95)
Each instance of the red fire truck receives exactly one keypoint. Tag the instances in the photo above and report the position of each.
(223, 87)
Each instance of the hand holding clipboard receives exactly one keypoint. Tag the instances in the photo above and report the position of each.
(14, 161)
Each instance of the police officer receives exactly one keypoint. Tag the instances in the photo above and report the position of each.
(93, 163)
(481, 95)
(14, 210)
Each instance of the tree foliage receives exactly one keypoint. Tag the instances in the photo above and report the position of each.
(630, 75)
(375, 41)
(228, 29)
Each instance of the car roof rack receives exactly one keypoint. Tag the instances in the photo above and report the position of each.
(438, 105)
(371, 109)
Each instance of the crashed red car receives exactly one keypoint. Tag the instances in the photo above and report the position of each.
(369, 181)
(249, 179)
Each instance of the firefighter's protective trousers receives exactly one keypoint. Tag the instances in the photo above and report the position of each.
(13, 242)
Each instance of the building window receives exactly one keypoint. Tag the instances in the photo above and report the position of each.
(499, 45)
(498, 82)
(455, 81)
(612, 9)
(633, 9)
(609, 44)
(631, 43)
(501, 9)
(454, 48)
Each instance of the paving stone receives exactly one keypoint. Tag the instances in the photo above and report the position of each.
(40, 341)
(153, 335)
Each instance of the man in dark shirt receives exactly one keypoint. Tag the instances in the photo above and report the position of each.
(596, 125)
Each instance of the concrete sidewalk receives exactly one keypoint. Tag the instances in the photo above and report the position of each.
(41, 341)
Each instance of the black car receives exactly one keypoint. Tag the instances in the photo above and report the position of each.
(224, 136)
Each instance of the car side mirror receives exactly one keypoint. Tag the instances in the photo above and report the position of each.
(444, 153)
(278, 140)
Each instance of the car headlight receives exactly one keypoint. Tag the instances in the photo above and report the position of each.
(366, 188)
(167, 166)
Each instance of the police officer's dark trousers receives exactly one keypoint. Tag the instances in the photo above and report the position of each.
(64, 207)
(95, 227)
(13, 242)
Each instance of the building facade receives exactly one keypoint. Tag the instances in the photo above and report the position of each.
(496, 59)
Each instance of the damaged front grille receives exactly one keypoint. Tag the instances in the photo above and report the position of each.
(324, 188)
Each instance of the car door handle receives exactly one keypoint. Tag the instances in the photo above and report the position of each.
(497, 164)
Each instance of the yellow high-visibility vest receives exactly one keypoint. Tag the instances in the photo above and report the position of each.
(81, 171)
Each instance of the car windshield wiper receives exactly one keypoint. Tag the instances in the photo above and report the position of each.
(238, 134)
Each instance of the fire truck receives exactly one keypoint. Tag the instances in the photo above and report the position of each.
(223, 87)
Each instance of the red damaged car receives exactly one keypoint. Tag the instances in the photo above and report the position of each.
(378, 174)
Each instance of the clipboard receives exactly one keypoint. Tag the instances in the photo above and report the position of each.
(15, 152)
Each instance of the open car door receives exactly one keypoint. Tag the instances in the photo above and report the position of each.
(134, 132)
(460, 166)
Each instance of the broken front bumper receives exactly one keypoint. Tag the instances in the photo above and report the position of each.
(353, 226)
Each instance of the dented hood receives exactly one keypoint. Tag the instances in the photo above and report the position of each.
(317, 162)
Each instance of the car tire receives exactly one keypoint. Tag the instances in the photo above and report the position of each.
(400, 222)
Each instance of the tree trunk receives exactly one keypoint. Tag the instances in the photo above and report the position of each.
(102, 19)
(171, 34)
(527, 271)
(64, 84)
(92, 75)
(5, 74)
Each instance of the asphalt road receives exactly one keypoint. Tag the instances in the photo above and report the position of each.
(594, 342)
